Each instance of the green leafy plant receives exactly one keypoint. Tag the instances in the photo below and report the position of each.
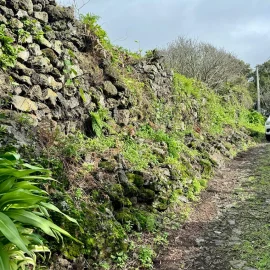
(98, 121)
(8, 52)
(69, 72)
(146, 255)
(91, 23)
(23, 35)
(23, 212)
(120, 258)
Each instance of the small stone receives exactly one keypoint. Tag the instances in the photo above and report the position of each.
(22, 14)
(162, 153)
(112, 103)
(62, 100)
(219, 242)
(41, 16)
(199, 241)
(28, 40)
(16, 24)
(40, 79)
(57, 13)
(54, 84)
(37, 7)
(50, 54)
(24, 69)
(7, 12)
(50, 35)
(87, 99)
(231, 222)
(237, 231)
(164, 171)
(43, 3)
(122, 117)
(17, 90)
(43, 110)
(35, 92)
(235, 238)
(24, 104)
(75, 72)
(42, 64)
(25, 79)
(109, 89)
(73, 102)
(182, 198)
(57, 46)
(35, 49)
(23, 55)
(27, 5)
(15, 4)
(3, 19)
(51, 95)
(43, 41)
(237, 264)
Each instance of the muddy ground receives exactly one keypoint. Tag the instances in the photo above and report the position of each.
(229, 228)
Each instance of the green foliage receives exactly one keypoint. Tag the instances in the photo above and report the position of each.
(146, 255)
(120, 258)
(118, 54)
(22, 35)
(98, 121)
(8, 52)
(91, 23)
(138, 154)
(24, 208)
(174, 145)
(82, 95)
(253, 121)
(217, 112)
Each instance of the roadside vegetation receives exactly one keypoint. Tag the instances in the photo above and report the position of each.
(125, 186)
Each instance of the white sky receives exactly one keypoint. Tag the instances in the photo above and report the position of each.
(239, 26)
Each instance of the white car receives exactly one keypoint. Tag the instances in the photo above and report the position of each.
(267, 129)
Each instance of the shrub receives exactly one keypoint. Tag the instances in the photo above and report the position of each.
(24, 209)
(204, 62)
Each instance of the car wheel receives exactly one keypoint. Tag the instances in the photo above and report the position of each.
(267, 137)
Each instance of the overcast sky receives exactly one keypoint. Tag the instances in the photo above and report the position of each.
(239, 26)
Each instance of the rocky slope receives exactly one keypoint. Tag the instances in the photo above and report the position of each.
(130, 143)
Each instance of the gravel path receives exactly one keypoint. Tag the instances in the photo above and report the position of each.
(228, 228)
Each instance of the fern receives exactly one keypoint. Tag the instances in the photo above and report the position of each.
(98, 121)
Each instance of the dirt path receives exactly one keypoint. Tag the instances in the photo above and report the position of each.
(230, 226)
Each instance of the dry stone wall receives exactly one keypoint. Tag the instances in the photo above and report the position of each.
(57, 79)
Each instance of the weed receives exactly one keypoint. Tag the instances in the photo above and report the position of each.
(146, 255)
(9, 52)
(98, 121)
(120, 259)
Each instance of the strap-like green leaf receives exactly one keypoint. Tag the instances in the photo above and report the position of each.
(54, 208)
(7, 185)
(9, 230)
(20, 197)
(4, 258)
(25, 185)
(47, 226)
(30, 218)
